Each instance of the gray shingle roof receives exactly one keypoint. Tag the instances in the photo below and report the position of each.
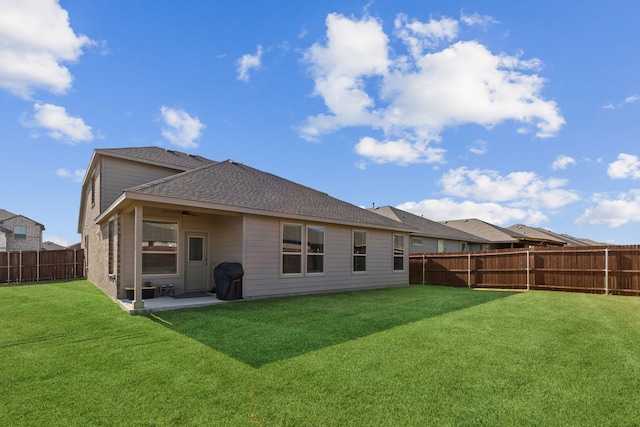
(426, 227)
(569, 240)
(7, 215)
(158, 156)
(239, 186)
(491, 232)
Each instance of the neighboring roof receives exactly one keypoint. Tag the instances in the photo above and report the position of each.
(565, 238)
(491, 232)
(233, 186)
(535, 233)
(4, 215)
(157, 156)
(426, 227)
(51, 246)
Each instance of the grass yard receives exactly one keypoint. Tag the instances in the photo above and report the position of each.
(396, 357)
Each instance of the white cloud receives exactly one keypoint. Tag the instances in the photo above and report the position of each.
(494, 213)
(612, 212)
(627, 166)
(562, 162)
(60, 125)
(399, 151)
(519, 189)
(420, 36)
(180, 128)
(35, 40)
(75, 176)
(249, 62)
(414, 98)
(631, 99)
(478, 20)
(479, 147)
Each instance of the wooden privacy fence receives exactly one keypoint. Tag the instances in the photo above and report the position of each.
(36, 266)
(595, 269)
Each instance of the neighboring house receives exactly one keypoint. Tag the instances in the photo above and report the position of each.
(431, 236)
(51, 246)
(543, 234)
(19, 233)
(164, 217)
(499, 238)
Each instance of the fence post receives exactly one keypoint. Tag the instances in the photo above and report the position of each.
(20, 267)
(423, 273)
(528, 271)
(469, 270)
(606, 271)
(37, 266)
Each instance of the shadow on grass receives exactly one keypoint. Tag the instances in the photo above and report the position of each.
(263, 331)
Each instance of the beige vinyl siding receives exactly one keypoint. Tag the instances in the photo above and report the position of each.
(431, 245)
(119, 174)
(227, 239)
(263, 278)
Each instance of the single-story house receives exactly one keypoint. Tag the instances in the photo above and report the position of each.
(150, 216)
(548, 235)
(499, 238)
(19, 233)
(431, 236)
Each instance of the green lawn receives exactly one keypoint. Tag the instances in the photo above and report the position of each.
(396, 357)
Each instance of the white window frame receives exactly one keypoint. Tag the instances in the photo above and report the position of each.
(361, 255)
(305, 250)
(309, 253)
(416, 241)
(402, 255)
(290, 253)
(176, 252)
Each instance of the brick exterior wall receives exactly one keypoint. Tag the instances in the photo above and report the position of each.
(95, 238)
(33, 241)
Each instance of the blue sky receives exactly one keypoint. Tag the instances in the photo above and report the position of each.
(511, 112)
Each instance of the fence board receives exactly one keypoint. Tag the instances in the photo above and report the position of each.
(601, 269)
(36, 266)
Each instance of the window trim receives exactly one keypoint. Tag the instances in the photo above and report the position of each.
(402, 256)
(318, 254)
(304, 249)
(20, 236)
(283, 253)
(177, 251)
(353, 251)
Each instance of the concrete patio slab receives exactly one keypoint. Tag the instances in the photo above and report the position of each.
(166, 303)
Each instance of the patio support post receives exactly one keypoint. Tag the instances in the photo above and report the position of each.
(137, 259)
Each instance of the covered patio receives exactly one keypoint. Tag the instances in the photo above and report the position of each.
(165, 303)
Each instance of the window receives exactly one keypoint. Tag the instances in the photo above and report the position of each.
(291, 249)
(398, 252)
(196, 248)
(93, 190)
(159, 247)
(20, 232)
(315, 249)
(111, 248)
(359, 250)
(441, 246)
(416, 241)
